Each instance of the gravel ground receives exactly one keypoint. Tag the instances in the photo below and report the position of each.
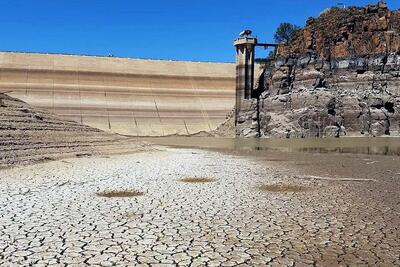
(51, 214)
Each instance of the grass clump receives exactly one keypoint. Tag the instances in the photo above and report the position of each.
(197, 180)
(120, 194)
(282, 188)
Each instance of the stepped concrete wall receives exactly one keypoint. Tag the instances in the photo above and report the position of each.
(126, 96)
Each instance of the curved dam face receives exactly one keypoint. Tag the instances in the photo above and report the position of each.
(126, 96)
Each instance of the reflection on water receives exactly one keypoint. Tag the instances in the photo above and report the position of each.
(360, 145)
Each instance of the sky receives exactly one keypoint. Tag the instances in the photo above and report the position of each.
(195, 30)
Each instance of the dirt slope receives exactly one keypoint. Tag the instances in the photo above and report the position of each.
(31, 135)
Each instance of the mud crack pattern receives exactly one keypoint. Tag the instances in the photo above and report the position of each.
(51, 215)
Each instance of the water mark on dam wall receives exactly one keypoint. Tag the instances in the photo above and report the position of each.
(126, 96)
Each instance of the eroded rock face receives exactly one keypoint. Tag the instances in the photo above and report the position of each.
(344, 98)
(248, 120)
(327, 87)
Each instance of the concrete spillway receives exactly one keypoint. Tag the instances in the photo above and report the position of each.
(126, 96)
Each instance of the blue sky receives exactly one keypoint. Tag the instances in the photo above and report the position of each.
(199, 30)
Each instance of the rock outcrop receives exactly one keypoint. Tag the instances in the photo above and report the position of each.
(339, 76)
(339, 32)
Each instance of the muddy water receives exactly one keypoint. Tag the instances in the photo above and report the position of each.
(353, 158)
(356, 145)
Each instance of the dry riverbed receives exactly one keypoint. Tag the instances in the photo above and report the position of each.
(184, 207)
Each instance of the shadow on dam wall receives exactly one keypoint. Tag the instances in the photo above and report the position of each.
(126, 96)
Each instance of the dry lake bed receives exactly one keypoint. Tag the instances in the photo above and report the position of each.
(192, 207)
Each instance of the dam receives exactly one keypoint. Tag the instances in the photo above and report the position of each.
(138, 97)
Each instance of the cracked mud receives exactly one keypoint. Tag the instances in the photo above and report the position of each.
(50, 214)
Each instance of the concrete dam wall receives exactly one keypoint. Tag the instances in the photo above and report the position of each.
(121, 95)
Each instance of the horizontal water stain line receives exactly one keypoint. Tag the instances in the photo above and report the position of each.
(114, 89)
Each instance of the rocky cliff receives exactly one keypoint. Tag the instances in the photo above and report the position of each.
(340, 75)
